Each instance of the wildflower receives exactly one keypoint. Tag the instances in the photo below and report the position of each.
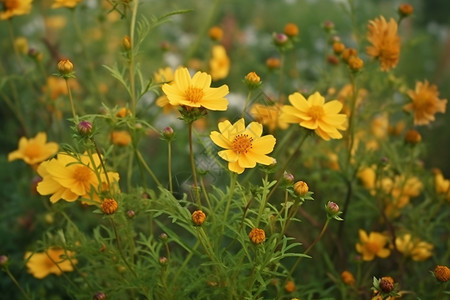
(268, 115)
(168, 133)
(441, 185)
(164, 75)
(416, 249)
(367, 176)
(109, 206)
(13, 8)
(385, 42)
(347, 278)
(328, 26)
(355, 63)
(3, 260)
(372, 245)
(131, 214)
(123, 112)
(34, 150)
(273, 63)
(244, 146)
(289, 286)
(405, 9)
(413, 137)
(349, 52)
(163, 260)
(53, 261)
(65, 67)
(338, 47)
(315, 114)
(198, 217)
(120, 137)
(56, 86)
(195, 91)
(215, 33)
(425, 103)
(252, 80)
(65, 3)
(442, 273)
(288, 177)
(301, 188)
(99, 296)
(219, 63)
(257, 236)
(291, 30)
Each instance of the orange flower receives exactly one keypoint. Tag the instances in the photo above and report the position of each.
(120, 137)
(385, 42)
(15, 8)
(425, 103)
(347, 278)
(372, 245)
(257, 236)
(52, 261)
(34, 150)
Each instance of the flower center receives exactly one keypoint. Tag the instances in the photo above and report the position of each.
(316, 112)
(242, 143)
(32, 150)
(82, 174)
(372, 247)
(194, 94)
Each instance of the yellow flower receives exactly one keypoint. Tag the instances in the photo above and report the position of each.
(52, 261)
(244, 145)
(15, 8)
(65, 3)
(219, 63)
(416, 249)
(372, 245)
(195, 91)
(34, 150)
(441, 185)
(347, 278)
(164, 75)
(120, 137)
(315, 114)
(425, 103)
(385, 42)
(268, 115)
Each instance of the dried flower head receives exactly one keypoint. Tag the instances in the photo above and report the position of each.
(198, 217)
(109, 206)
(257, 236)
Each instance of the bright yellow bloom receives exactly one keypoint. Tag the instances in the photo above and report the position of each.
(416, 249)
(425, 103)
(65, 3)
(372, 245)
(315, 114)
(52, 261)
(195, 91)
(244, 145)
(15, 8)
(268, 115)
(34, 150)
(385, 42)
(219, 63)
(68, 178)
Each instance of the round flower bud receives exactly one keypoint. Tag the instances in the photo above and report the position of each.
(131, 214)
(252, 80)
(387, 284)
(355, 63)
(84, 128)
(3, 260)
(291, 30)
(347, 278)
(328, 26)
(65, 67)
(405, 9)
(349, 52)
(301, 188)
(332, 207)
(288, 177)
(109, 206)
(126, 43)
(163, 260)
(99, 296)
(198, 217)
(332, 60)
(280, 39)
(257, 236)
(163, 236)
(168, 133)
(442, 273)
(290, 286)
(215, 33)
(165, 46)
(123, 112)
(273, 63)
(413, 137)
(338, 47)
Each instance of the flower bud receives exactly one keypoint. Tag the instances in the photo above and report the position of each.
(387, 284)
(168, 133)
(332, 207)
(288, 177)
(109, 206)
(273, 63)
(280, 39)
(84, 128)
(99, 296)
(290, 286)
(163, 260)
(338, 47)
(347, 278)
(355, 63)
(3, 260)
(328, 26)
(198, 217)
(126, 43)
(442, 273)
(301, 188)
(413, 137)
(332, 60)
(163, 236)
(349, 52)
(405, 9)
(252, 80)
(257, 236)
(123, 112)
(291, 30)
(131, 214)
(65, 67)
(165, 46)
(215, 33)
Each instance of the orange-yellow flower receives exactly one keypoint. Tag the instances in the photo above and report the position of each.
(257, 236)
(315, 114)
(268, 115)
(385, 42)
(34, 150)
(244, 146)
(120, 137)
(425, 103)
(372, 245)
(441, 185)
(52, 261)
(219, 63)
(416, 249)
(13, 8)
(195, 91)
(65, 3)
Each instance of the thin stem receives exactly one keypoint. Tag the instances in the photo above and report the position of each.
(16, 52)
(141, 159)
(280, 83)
(75, 118)
(97, 149)
(169, 165)
(233, 179)
(194, 171)
(186, 261)
(131, 62)
(264, 200)
(25, 295)
(120, 248)
(246, 103)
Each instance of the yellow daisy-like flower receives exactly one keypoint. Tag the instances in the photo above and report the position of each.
(425, 103)
(416, 249)
(219, 63)
(268, 115)
(441, 185)
(164, 75)
(315, 114)
(195, 91)
(13, 8)
(244, 145)
(52, 261)
(372, 245)
(385, 42)
(65, 3)
(34, 150)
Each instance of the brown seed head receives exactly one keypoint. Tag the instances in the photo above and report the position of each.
(387, 284)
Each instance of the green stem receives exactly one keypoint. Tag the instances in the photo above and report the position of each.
(122, 255)
(69, 92)
(131, 62)
(233, 179)
(194, 171)
(280, 83)
(186, 261)
(169, 165)
(16, 52)
(246, 103)
(264, 199)
(141, 159)
(25, 295)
